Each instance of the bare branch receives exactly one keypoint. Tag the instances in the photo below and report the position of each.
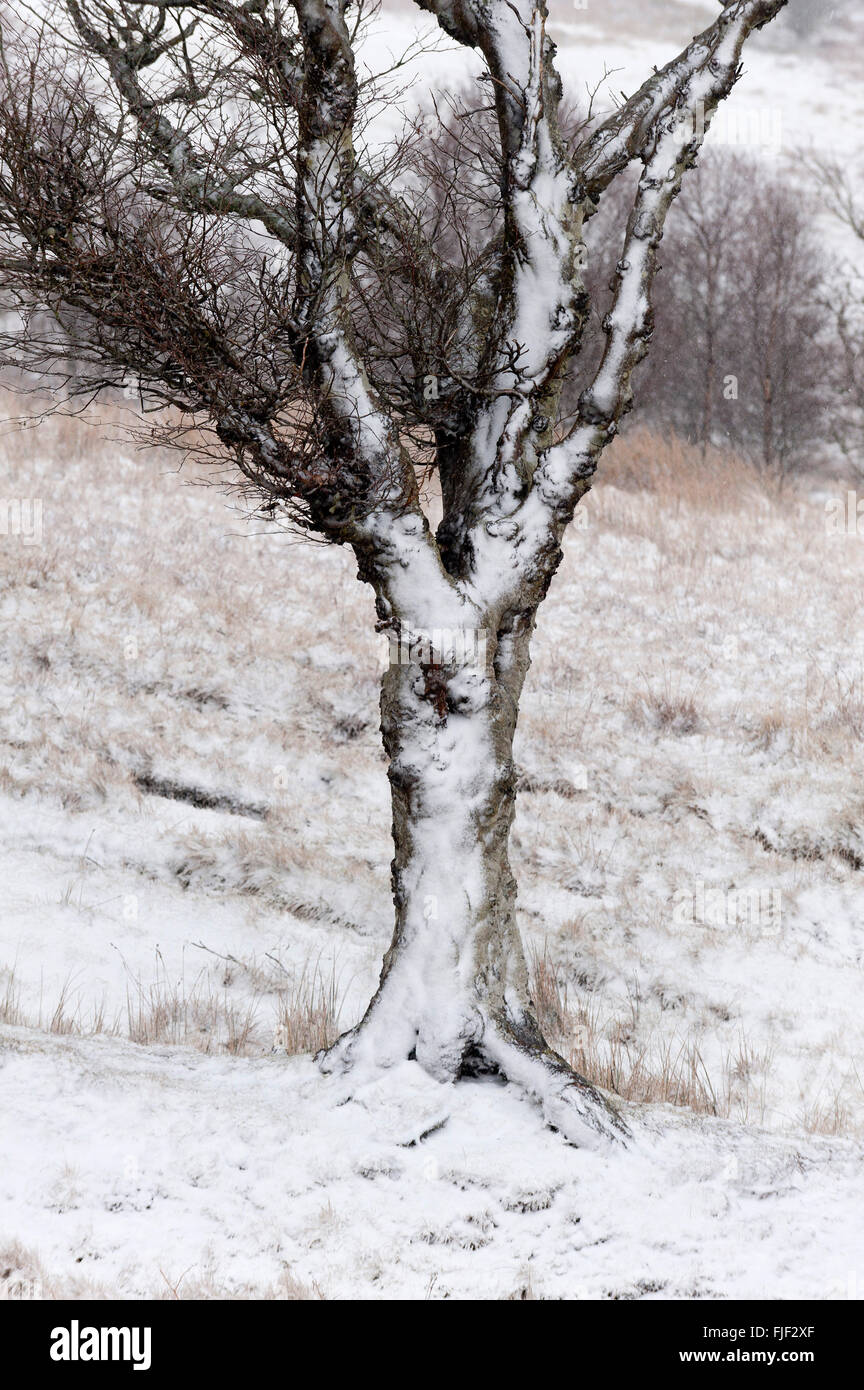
(626, 133)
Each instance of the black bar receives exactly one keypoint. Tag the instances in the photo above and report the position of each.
(281, 1338)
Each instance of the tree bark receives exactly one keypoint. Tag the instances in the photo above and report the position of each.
(454, 992)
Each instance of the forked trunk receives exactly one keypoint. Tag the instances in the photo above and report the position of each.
(454, 990)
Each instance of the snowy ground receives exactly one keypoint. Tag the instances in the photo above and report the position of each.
(195, 826)
(178, 1172)
(692, 726)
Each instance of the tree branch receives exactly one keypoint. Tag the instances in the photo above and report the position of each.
(625, 134)
(565, 468)
(170, 145)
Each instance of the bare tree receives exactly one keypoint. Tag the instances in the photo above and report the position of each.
(746, 346)
(191, 180)
(807, 16)
(842, 197)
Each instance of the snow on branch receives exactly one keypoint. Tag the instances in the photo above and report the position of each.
(180, 184)
(623, 137)
(704, 76)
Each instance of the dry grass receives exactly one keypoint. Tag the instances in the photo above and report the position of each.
(207, 1285)
(683, 475)
(174, 1014)
(178, 1013)
(65, 1016)
(308, 1018)
(525, 1291)
(24, 1277)
(822, 718)
(609, 1052)
(664, 706)
(11, 1011)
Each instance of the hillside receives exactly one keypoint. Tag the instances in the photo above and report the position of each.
(195, 821)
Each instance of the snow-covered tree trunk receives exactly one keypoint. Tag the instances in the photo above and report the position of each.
(454, 990)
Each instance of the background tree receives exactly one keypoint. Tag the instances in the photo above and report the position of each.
(806, 16)
(843, 300)
(746, 349)
(192, 181)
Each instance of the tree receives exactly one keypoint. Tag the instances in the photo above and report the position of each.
(840, 192)
(745, 343)
(190, 180)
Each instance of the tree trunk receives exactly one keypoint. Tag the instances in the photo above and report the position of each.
(454, 991)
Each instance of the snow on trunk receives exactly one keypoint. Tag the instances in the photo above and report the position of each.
(454, 990)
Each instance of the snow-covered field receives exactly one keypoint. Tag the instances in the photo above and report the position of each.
(195, 827)
(173, 1173)
(691, 739)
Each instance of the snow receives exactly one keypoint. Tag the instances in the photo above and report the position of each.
(154, 634)
(135, 1170)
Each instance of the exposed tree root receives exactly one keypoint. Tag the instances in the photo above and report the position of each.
(569, 1103)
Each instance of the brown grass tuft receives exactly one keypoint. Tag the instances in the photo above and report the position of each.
(607, 1053)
